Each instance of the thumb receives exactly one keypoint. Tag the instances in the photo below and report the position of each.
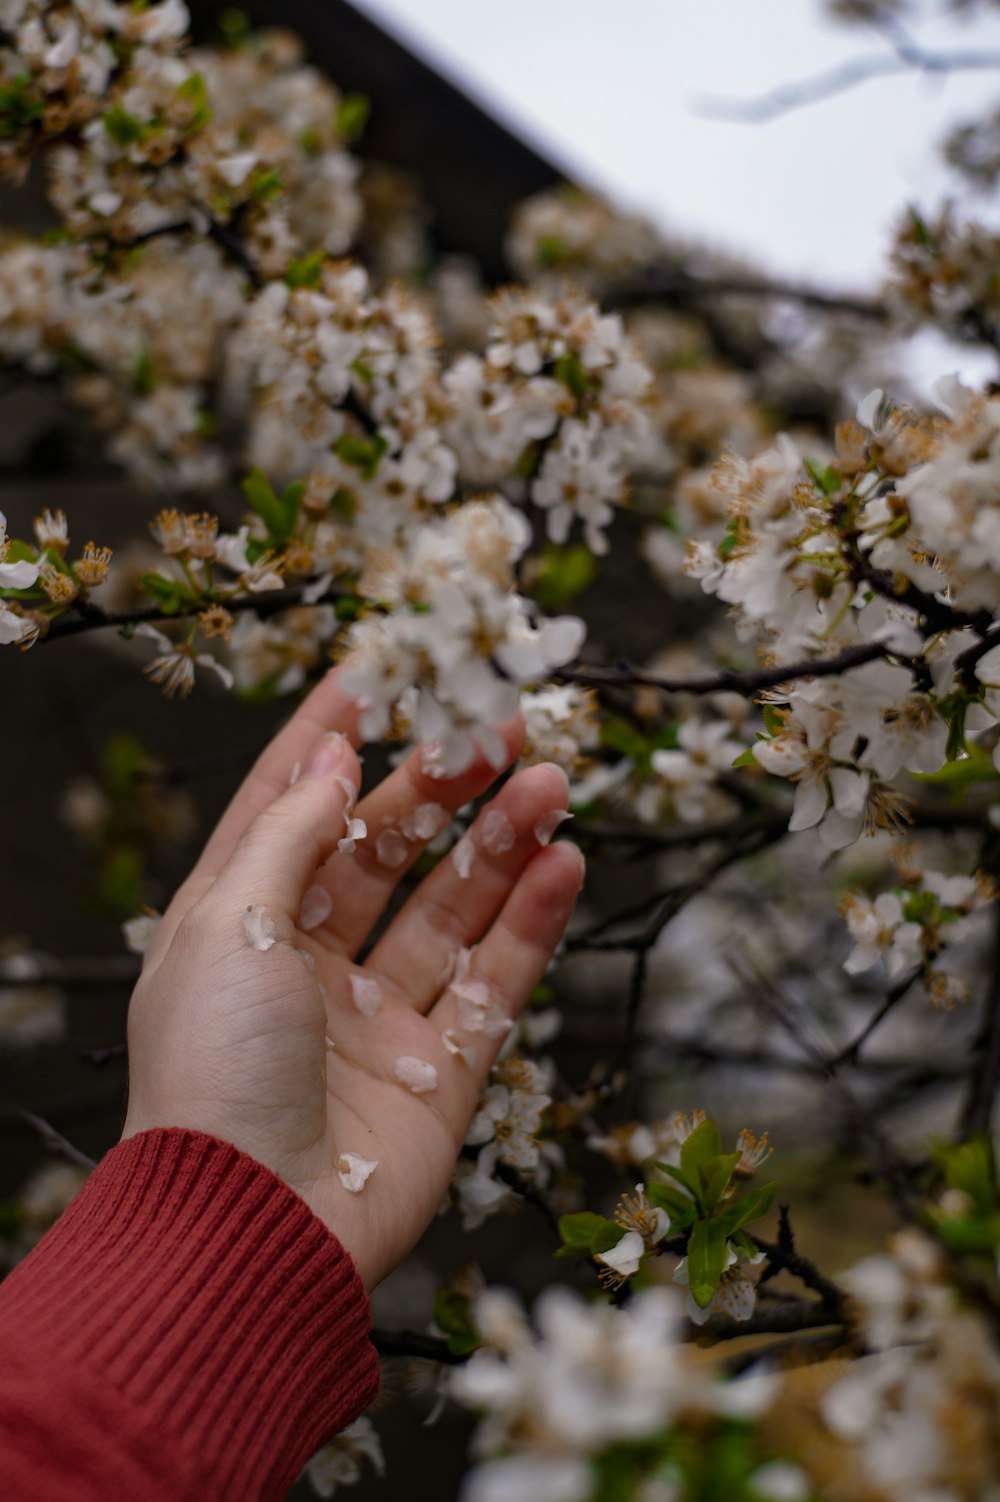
(276, 857)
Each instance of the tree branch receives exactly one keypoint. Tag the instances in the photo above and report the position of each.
(728, 680)
(56, 1142)
(977, 1112)
(407, 1343)
(832, 81)
(849, 1054)
(268, 602)
(680, 288)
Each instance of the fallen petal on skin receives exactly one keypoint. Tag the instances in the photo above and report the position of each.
(357, 829)
(138, 931)
(546, 826)
(416, 1074)
(391, 849)
(307, 959)
(355, 1171)
(498, 832)
(463, 855)
(349, 790)
(456, 1048)
(317, 905)
(366, 994)
(425, 821)
(328, 1041)
(259, 927)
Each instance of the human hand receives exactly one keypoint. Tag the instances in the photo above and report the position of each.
(232, 1040)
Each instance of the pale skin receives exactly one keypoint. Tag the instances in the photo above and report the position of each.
(231, 1040)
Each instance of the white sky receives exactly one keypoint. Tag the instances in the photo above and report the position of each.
(607, 88)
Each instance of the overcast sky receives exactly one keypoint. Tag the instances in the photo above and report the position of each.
(608, 90)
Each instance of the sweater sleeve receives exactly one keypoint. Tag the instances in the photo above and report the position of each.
(188, 1331)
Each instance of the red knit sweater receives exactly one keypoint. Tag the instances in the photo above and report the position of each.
(188, 1331)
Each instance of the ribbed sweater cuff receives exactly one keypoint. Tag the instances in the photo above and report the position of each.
(195, 1281)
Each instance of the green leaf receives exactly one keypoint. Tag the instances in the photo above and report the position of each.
(143, 373)
(306, 271)
(351, 116)
(19, 105)
(919, 906)
(746, 758)
(562, 573)
(264, 183)
(753, 1206)
(679, 1206)
(677, 1176)
(453, 1317)
(194, 92)
(576, 1230)
(235, 27)
(273, 512)
(363, 453)
(119, 882)
(124, 129)
(715, 1175)
(123, 758)
(956, 777)
(774, 722)
(971, 1167)
(706, 1260)
(549, 251)
(824, 477)
(571, 374)
(606, 1236)
(703, 1143)
(169, 594)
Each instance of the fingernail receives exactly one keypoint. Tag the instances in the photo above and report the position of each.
(326, 755)
(554, 766)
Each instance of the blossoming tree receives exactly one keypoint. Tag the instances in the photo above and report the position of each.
(797, 794)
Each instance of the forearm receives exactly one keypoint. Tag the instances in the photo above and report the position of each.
(187, 1329)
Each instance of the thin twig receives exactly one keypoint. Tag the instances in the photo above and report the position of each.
(784, 1256)
(977, 1112)
(408, 1343)
(56, 1142)
(728, 680)
(679, 287)
(849, 1054)
(832, 81)
(267, 603)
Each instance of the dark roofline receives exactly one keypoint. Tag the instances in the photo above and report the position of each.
(472, 169)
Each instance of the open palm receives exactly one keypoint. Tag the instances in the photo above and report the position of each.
(292, 1052)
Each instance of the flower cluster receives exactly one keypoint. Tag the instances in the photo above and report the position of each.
(585, 1386)
(887, 552)
(557, 398)
(505, 1132)
(456, 640)
(908, 928)
(567, 232)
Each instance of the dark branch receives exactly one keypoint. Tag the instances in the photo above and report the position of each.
(728, 680)
(90, 617)
(977, 1113)
(56, 1142)
(782, 1255)
(406, 1343)
(832, 81)
(679, 288)
(849, 1054)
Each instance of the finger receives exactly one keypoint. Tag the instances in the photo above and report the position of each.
(475, 1012)
(275, 860)
(402, 814)
(326, 709)
(449, 911)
